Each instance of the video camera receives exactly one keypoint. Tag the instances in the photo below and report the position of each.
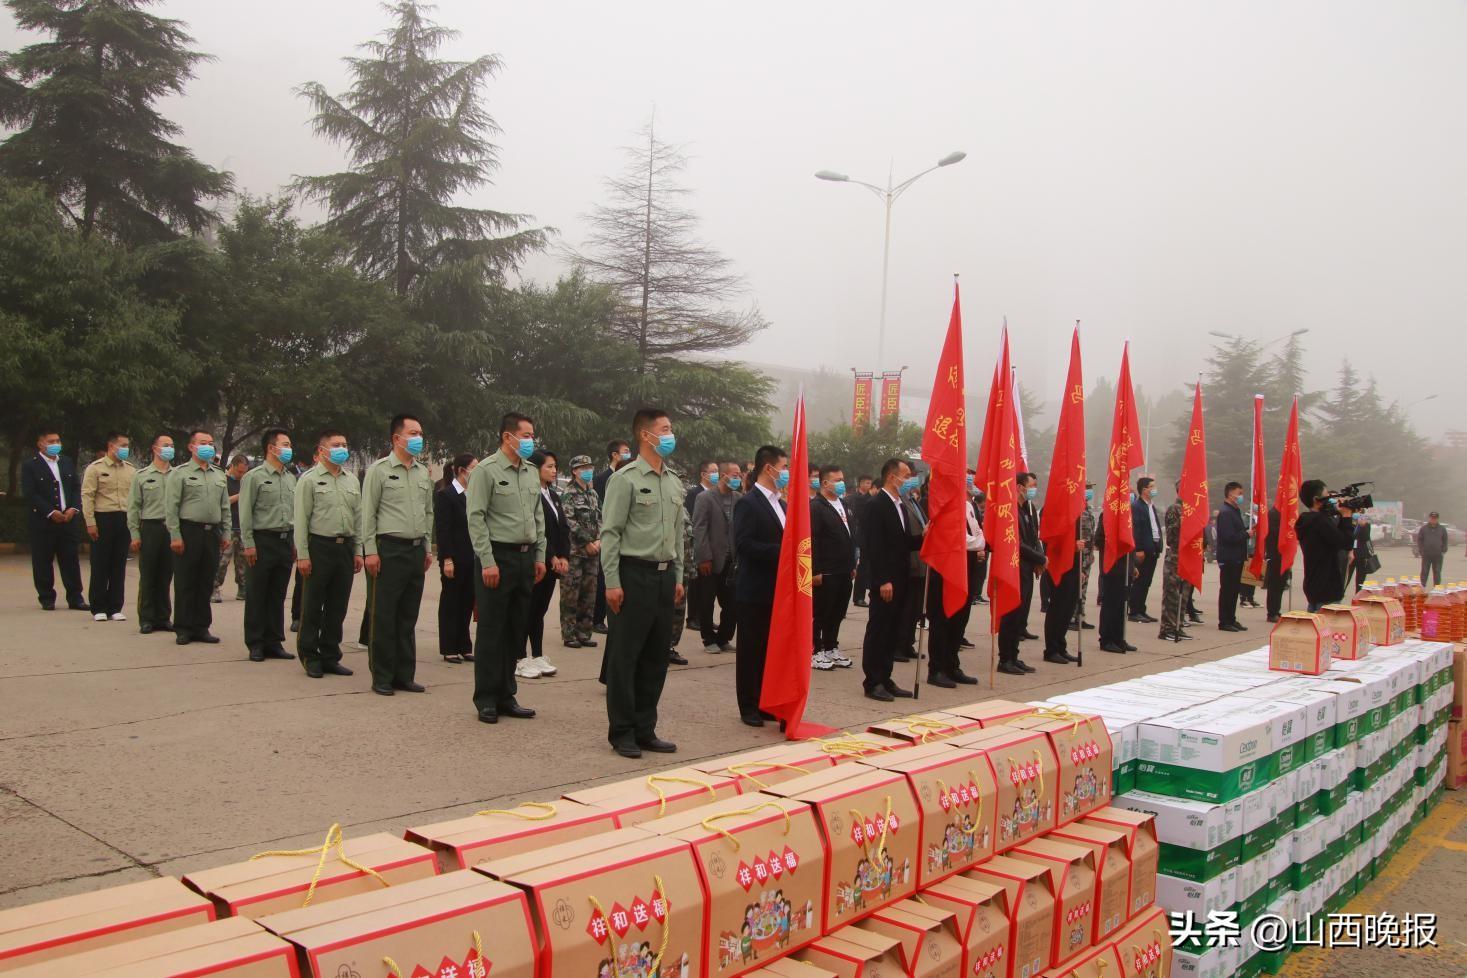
(1350, 497)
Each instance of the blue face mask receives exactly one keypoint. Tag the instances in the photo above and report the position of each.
(525, 448)
(782, 479)
(839, 488)
(339, 455)
(815, 484)
(123, 453)
(970, 482)
(713, 478)
(586, 475)
(204, 453)
(909, 484)
(1032, 493)
(735, 483)
(626, 456)
(166, 453)
(415, 445)
(285, 455)
(666, 445)
(1089, 494)
(53, 451)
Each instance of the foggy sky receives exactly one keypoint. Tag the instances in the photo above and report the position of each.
(1156, 170)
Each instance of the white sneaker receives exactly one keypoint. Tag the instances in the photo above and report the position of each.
(360, 647)
(820, 661)
(838, 657)
(99, 616)
(546, 669)
(527, 670)
(119, 616)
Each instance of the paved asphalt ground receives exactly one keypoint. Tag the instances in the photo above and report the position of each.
(124, 756)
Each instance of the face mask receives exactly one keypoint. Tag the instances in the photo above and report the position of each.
(782, 479)
(285, 455)
(713, 478)
(626, 456)
(525, 448)
(1031, 493)
(815, 484)
(970, 482)
(415, 445)
(1089, 495)
(909, 484)
(839, 489)
(204, 453)
(53, 450)
(123, 453)
(735, 483)
(586, 475)
(338, 455)
(166, 453)
(666, 445)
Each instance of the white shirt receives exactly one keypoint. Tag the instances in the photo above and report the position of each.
(545, 494)
(901, 510)
(841, 512)
(56, 474)
(458, 487)
(975, 532)
(1155, 529)
(773, 498)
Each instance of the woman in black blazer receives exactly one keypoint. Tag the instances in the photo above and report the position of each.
(557, 562)
(455, 560)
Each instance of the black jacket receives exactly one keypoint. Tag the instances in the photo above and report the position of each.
(694, 491)
(1031, 552)
(42, 492)
(833, 548)
(1232, 535)
(1323, 537)
(888, 546)
(451, 528)
(1141, 513)
(757, 537)
(1271, 539)
(557, 530)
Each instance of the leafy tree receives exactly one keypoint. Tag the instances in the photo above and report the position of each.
(418, 135)
(1235, 373)
(863, 452)
(83, 107)
(1286, 380)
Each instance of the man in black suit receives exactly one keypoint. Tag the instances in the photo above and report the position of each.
(890, 549)
(49, 483)
(758, 533)
(1146, 529)
(1232, 553)
(1013, 627)
(833, 563)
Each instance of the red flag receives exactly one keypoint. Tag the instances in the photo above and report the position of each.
(1193, 497)
(1019, 422)
(1000, 454)
(1064, 496)
(1125, 455)
(1286, 499)
(945, 450)
(1258, 495)
(792, 635)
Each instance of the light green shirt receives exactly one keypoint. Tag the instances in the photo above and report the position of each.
(504, 507)
(326, 505)
(397, 501)
(145, 499)
(197, 495)
(643, 517)
(266, 501)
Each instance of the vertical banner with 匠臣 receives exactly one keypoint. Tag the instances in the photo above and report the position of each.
(891, 395)
(861, 406)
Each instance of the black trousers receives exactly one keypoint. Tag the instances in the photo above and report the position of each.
(981, 578)
(1141, 584)
(295, 598)
(155, 574)
(1430, 565)
(831, 599)
(1273, 586)
(504, 620)
(1012, 625)
(265, 585)
(883, 634)
(943, 631)
(540, 596)
(55, 543)
(1113, 592)
(717, 587)
(393, 599)
(109, 563)
(324, 596)
(913, 605)
(754, 621)
(693, 598)
(456, 609)
(1063, 601)
(598, 617)
(637, 641)
(193, 577)
(1229, 583)
(1046, 591)
(861, 586)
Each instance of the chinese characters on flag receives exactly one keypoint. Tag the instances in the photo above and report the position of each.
(1064, 496)
(891, 394)
(861, 406)
(1125, 455)
(1286, 499)
(999, 461)
(1193, 497)
(945, 450)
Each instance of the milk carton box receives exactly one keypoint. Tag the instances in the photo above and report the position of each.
(1187, 896)
(1197, 840)
(1206, 755)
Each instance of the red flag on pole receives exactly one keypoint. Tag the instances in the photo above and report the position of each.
(945, 450)
(1019, 422)
(1258, 494)
(792, 635)
(1286, 499)
(1064, 495)
(1125, 454)
(1193, 496)
(1000, 453)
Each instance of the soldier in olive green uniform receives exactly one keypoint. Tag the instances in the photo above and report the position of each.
(196, 512)
(507, 529)
(642, 557)
(150, 539)
(397, 534)
(266, 515)
(328, 535)
(578, 586)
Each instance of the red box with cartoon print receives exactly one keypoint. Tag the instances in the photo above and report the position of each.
(1083, 749)
(1145, 945)
(1073, 869)
(1025, 770)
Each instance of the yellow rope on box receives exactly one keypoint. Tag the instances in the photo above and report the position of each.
(885, 824)
(929, 726)
(707, 822)
(652, 780)
(547, 809)
(396, 972)
(739, 769)
(1062, 713)
(849, 746)
(335, 838)
(666, 929)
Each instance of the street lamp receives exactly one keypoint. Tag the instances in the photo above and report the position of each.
(889, 195)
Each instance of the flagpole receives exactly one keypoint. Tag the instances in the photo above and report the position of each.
(1079, 606)
(922, 636)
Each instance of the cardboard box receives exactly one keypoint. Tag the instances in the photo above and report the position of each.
(1459, 680)
(459, 923)
(762, 864)
(1029, 888)
(1347, 630)
(758, 769)
(233, 948)
(276, 881)
(1199, 899)
(1456, 755)
(1142, 848)
(983, 918)
(1083, 748)
(793, 968)
(664, 793)
(1297, 644)
(931, 947)
(1113, 874)
(1074, 871)
(1386, 618)
(501, 832)
(924, 728)
(955, 789)
(990, 713)
(42, 931)
(1145, 947)
(850, 952)
(1205, 755)
(1025, 769)
(1096, 962)
(871, 828)
(847, 746)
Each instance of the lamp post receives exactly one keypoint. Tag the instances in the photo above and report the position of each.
(889, 195)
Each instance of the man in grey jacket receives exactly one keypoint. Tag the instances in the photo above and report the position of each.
(1431, 543)
(713, 558)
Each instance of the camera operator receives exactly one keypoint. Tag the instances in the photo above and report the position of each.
(1326, 535)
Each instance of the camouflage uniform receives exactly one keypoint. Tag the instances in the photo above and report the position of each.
(578, 585)
(1175, 592)
(1086, 532)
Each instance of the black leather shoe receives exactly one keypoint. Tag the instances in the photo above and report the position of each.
(589, 643)
(1027, 635)
(572, 644)
(295, 624)
(1271, 619)
(1177, 636)
(599, 629)
(1024, 665)
(384, 690)
(336, 669)
(963, 679)
(410, 687)
(1112, 647)
(1087, 626)
(315, 670)
(257, 655)
(963, 643)
(766, 715)
(48, 605)
(489, 716)
(658, 746)
(79, 607)
(180, 638)
(1009, 669)
(145, 629)
(752, 720)
(897, 691)
(941, 681)
(676, 659)
(630, 753)
(879, 693)
(861, 603)
(277, 652)
(512, 709)
(167, 626)
(208, 638)
(1059, 660)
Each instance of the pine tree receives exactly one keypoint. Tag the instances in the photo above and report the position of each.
(418, 136)
(1235, 373)
(82, 105)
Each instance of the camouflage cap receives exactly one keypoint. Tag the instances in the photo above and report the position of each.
(581, 462)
